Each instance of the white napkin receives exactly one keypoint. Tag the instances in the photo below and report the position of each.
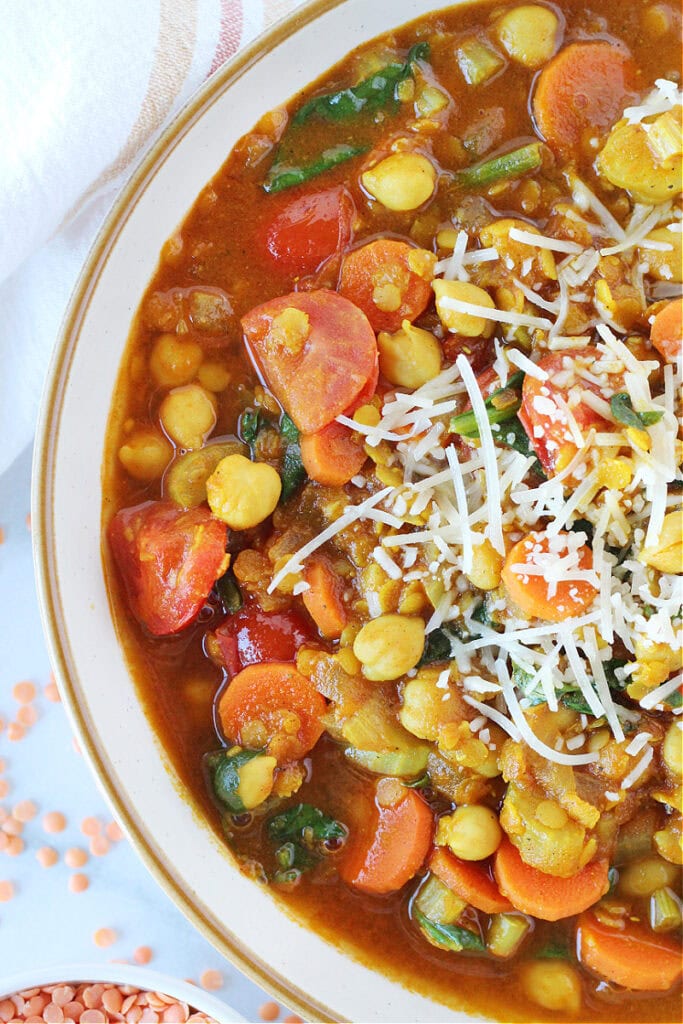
(85, 85)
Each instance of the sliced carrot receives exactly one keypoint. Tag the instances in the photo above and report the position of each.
(470, 881)
(387, 855)
(632, 956)
(317, 352)
(324, 599)
(332, 455)
(378, 278)
(546, 896)
(531, 593)
(666, 332)
(272, 705)
(585, 87)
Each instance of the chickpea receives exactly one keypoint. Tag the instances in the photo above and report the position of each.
(173, 361)
(243, 493)
(145, 455)
(423, 710)
(645, 876)
(528, 34)
(213, 376)
(664, 264)
(627, 161)
(471, 326)
(472, 832)
(188, 415)
(486, 566)
(389, 646)
(410, 357)
(552, 984)
(667, 554)
(672, 749)
(403, 181)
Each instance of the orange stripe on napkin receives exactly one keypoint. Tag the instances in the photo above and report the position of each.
(230, 32)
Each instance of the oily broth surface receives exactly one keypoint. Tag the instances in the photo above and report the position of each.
(217, 250)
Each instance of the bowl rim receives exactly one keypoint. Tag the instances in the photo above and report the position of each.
(122, 974)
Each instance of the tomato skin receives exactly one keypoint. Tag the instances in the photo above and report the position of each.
(319, 375)
(554, 438)
(310, 229)
(169, 559)
(252, 636)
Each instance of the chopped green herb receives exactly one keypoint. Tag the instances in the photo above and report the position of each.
(449, 936)
(583, 526)
(499, 168)
(379, 90)
(675, 699)
(292, 472)
(423, 782)
(613, 879)
(623, 411)
(284, 175)
(229, 593)
(501, 406)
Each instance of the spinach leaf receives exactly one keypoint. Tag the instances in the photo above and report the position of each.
(623, 411)
(305, 824)
(423, 782)
(379, 90)
(224, 769)
(229, 593)
(284, 175)
(449, 936)
(501, 406)
(437, 646)
(250, 424)
(292, 472)
(511, 434)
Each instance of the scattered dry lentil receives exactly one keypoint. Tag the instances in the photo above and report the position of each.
(142, 955)
(24, 692)
(27, 715)
(78, 882)
(91, 826)
(51, 691)
(25, 810)
(54, 821)
(104, 937)
(75, 857)
(114, 832)
(15, 732)
(269, 1011)
(211, 980)
(47, 856)
(6, 891)
(99, 846)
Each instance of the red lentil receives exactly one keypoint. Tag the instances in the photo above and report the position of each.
(269, 1011)
(47, 856)
(211, 980)
(78, 883)
(96, 1004)
(24, 692)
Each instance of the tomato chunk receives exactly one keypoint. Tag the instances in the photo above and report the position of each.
(317, 352)
(309, 230)
(378, 278)
(251, 636)
(543, 412)
(169, 559)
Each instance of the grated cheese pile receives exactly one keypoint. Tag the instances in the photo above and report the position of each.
(455, 496)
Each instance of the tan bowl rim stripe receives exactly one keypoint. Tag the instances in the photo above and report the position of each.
(42, 509)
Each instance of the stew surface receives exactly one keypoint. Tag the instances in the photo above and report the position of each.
(392, 506)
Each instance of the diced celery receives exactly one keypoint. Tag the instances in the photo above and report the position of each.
(665, 910)
(375, 728)
(506, 934)
(438, 903)
(406, 763)
(477, 61)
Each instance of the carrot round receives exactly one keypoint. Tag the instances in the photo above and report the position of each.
(586, 86)
(384, 857)
(378, 279)
(666, 332)
(332, 456)
(324, 599)
(546, 896)
(272, 705)
(531, 593)
(470, 881)
(632, 956)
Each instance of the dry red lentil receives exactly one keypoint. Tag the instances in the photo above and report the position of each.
(269, 1011)
(54, 821)
(211, 980)
(25, 810)
(91, 826)
(24, 692)
(51, 692)
(78, 883)
(47, 856)
(104, 937)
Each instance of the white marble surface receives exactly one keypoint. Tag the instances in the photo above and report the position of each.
(44, 923)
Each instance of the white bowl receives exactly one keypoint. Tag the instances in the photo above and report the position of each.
(236, 915)
(122, 974)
